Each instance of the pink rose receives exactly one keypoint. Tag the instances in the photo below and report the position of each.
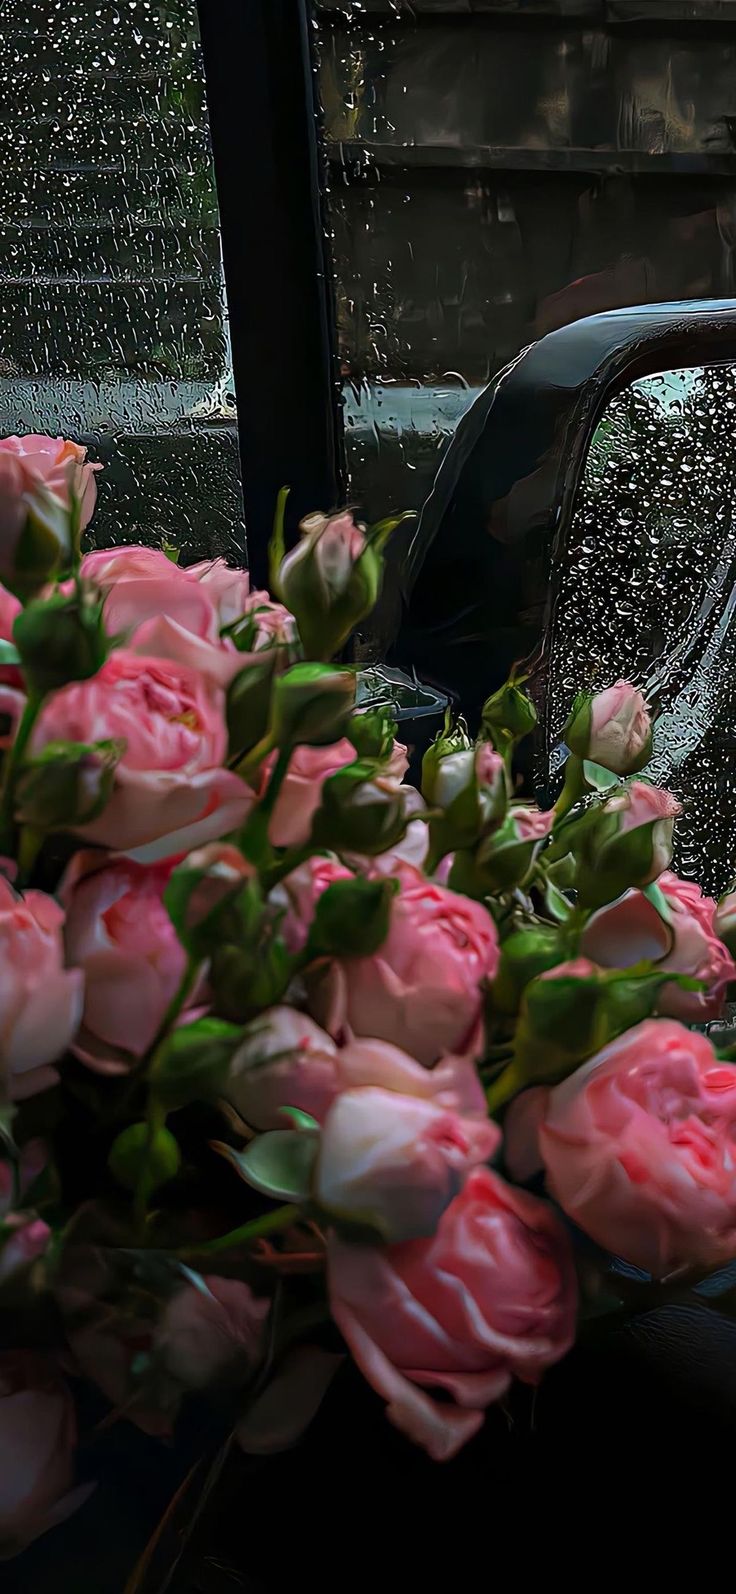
(396, 1162)
(423, 989)
(412, 848)
(228, 589)
(286, 1060)
(212, 1331)
(22, 1241)
(165, 614)
(639, 1147)
(725, 920)
(301, 793)
(171, 791)
(119, 934)
(10, 607)
(32, 469)
(40, 1000)
(38, 1435)
(532, 823)
(631, 931)
(613, 729)
(491, 1296)
(641, 804)
(298, 893)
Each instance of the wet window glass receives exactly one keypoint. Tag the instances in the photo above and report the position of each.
(114, 318)
(645, 588)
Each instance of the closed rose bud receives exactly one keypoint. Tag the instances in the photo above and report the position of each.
(39, 476)
(361, 811)
(451, 747)
(627, 841)
(67, 783)
(330, 581)
(394, 1163)
(61, 639)
(311, 705)
(612, 728)
(508, 715)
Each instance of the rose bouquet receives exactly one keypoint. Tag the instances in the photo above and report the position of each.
(298, 1063)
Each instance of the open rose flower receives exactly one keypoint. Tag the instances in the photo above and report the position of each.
(40, 1000)
(488, 1298)
(639, 1147)
(164, 612)
(612, 728)
(171, 791)
(423, 989)
(395, 1162)
(286, 1060)
(119, 934)
(631, 931)
(301, 792)
(38, 1434)
(212, 1332)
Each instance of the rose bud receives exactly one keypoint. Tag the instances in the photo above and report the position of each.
(611, 728)
(627, 841)
(725, 921)
(330, 581)
(61, 639)
(451, 752)
(67, 783)
(39, 477)
(508, 716)
(311, 704)
(503, 857)
(361, 811)
(394, 1163)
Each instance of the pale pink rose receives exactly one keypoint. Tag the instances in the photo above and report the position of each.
(286, 1060)
(227, 588)
(532, 823)
(301, 794)
(334, 542)
(33, 467)
(632, 931)
(22, 1241)
(423, 989)
(273, 625)
(224, 869)
(642, 804)
(620, 729)
(454, 772)
(489, 765)
(119, 934)
(639, 1147)
(164, 615)
(298, 893)
(212, 1332)
(397, 762)
(12, 704)
(488, 1298)
(38, 1435)
(171, 791)
(40, 1000)
(396, 1162)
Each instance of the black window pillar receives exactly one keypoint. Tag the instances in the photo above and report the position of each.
(268, 164)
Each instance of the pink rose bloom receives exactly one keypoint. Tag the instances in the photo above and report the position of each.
(490, 1297)
(532, 823)
(119, 934)
(40, 1000)
(613, 729)
(396, 1162)
(639, 1147)
(423, 989)
(286, 1060)
(32, 467)
(38, 1435)
(642, 804)
(165, 614)
(171, 791)
(725, 920)
(228, 589)
(301, 794)
(298, 894)
(631, 931)
(213, 1331)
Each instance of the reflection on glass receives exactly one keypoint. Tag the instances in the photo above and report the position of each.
(646, 589)
(114, 324)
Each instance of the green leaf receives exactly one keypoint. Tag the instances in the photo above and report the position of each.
(381, 530)
(556, 902)
(277, 545)
(301, 1120)
(8, 653)
(279, 1163)
(599, 778)
(656, 896)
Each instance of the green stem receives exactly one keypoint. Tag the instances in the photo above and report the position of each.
(269, 1223)
(254, 841)
(573, 789)
(502, 1089)
(155, 1113)
(290, 860)
(175, 1008)
(29, 846)
(155, 1120)
(13, 764)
